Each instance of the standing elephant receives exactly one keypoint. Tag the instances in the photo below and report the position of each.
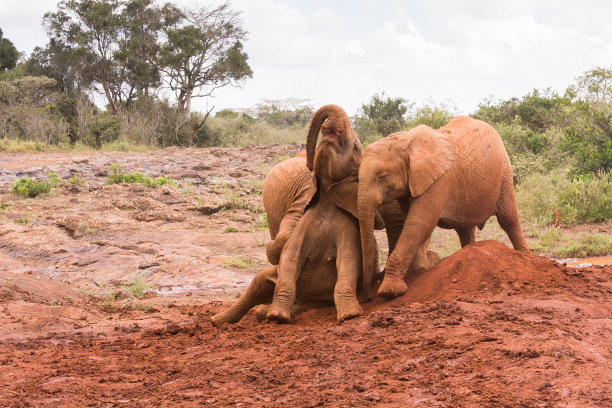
(317, 248)
(455, 177)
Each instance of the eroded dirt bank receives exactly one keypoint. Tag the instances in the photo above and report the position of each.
(486, 327)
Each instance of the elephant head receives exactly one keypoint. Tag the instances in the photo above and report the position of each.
(336, 159)
(404, 164)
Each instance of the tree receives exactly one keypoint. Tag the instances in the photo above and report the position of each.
(107, 42)
(384, 114)
(284, 112)
(125, 49)
(595, 85)
(203, 53)
(8, 54)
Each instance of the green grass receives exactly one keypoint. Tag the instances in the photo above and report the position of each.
(76, 180)
(116, 176)
(545, 198)
(138, 287)
(555, 242)
(236, 262)
(231, 229)
(32, 188)
(126, 146)
(25, 146)
(242, 262)
(548, 241)
(232, 200)
(383, 255)
(85, 229)
(22, 220)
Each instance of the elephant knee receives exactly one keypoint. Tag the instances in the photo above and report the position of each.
(273, 252)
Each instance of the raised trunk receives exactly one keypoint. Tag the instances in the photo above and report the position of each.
(366, 209)
(332, 112)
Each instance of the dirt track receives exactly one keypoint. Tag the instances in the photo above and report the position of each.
(486, 327)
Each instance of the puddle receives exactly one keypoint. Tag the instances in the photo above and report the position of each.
(586, 262)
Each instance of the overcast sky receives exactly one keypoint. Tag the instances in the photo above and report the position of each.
(342, 52)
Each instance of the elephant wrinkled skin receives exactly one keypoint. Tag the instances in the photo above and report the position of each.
(315, 237)
(455, 177)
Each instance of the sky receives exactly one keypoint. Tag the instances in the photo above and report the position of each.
(427, 51)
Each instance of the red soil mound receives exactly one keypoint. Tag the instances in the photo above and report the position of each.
(485, 268)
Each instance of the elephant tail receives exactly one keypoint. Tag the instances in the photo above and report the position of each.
(337, 124)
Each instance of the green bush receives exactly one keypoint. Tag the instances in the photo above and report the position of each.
(554, 242)
(103, 129)
(116, 176)
(432, 116)
(577, 200)
(32, 188)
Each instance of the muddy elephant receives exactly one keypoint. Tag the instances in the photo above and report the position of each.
(455, 177)
(315, 242)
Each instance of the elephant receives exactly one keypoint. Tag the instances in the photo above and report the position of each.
(315, 242)
(287, 190)
(455, 177)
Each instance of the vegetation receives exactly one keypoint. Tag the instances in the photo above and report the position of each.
(32, 188)
(138, 287)
(132, 52)
(8, 54)
(116, 176)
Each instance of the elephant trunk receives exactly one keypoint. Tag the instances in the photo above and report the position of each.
(366, 210)
(335, 115)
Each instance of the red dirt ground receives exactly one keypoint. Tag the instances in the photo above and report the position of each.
(486, 327)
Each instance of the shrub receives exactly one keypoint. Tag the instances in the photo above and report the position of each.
(576, 200)
(554, 242)
(103, 129)
(138, 287)
(32, 188)
(116, 176)
(432, 116)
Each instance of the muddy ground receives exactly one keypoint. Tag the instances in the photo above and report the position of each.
(486, 327)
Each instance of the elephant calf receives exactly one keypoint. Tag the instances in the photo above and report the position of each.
(455, 177)
(315, 238)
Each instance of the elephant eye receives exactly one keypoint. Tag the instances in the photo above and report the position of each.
(382, 177)
(355, 147)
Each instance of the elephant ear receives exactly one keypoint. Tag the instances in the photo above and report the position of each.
(344, 195)
(430, 155)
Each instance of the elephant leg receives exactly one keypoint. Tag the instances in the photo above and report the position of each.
(260, 290)
(275, 246)
(348, 265)
(291, 263)
(507, 215)
(261, 312)
(466, 235)
(394, 218)
(433, 258)
(420, 261)
(421, 220)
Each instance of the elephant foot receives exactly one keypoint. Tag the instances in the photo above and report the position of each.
(433, 258)
(365, 296)
(223, 317)
(348, 310)
(262, 312)
(391, 288)
(279, 314)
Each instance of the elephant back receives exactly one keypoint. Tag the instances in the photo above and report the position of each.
(481, 164)
(286, 191)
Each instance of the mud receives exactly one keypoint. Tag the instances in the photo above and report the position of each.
(488, 326)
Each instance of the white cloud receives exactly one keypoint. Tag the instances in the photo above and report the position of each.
(339, 52)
